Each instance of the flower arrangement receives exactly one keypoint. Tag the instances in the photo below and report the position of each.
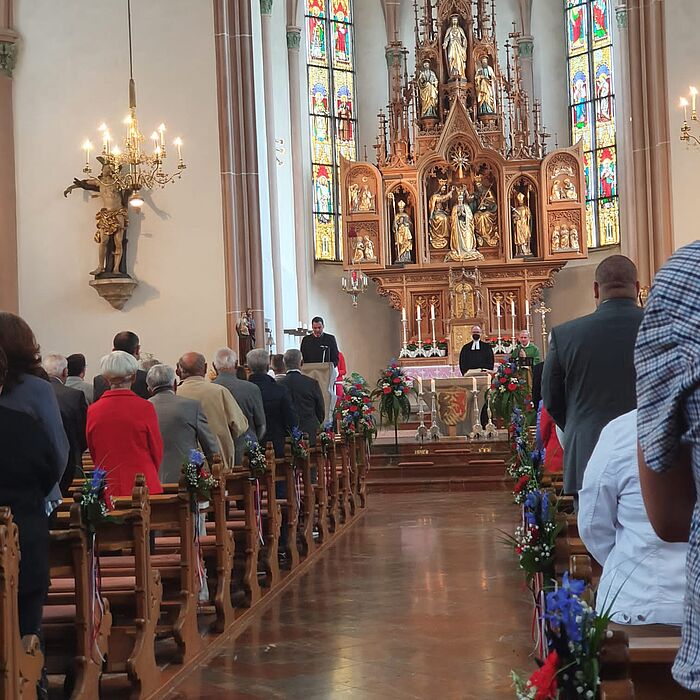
(509, 390)
(525, 466)
(392, 390)
(94, 502)
(198, 479)
(326, 438)
(299, 440)
(575, 634)
(257, 463)
(354, 412)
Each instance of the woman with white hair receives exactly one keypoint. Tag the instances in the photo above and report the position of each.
(122, 429)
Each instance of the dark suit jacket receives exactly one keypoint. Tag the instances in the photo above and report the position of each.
(308, 402)
(139, 387)
(537, 384)
(280, 417)
(589, 379)
(73, 407)
(475, 359)
(312, 351)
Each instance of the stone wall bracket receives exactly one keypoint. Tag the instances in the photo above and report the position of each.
(116, 290)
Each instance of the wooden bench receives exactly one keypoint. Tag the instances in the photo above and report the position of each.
(21, 660)
(286, 474)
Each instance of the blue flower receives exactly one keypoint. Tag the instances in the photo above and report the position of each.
(196, 458)
(98, 476)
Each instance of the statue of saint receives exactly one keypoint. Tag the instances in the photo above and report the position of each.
(455, 46)
(522, 225)
(438, 220)
(485, 82)
(557, 192)
(354, 196)
(369, 250)
(366, 197)
(462, 240)
(359, 254)
(565, 241)
(569, 190)
(484, 207)
(573, 238)
(556, 240)
(112, 219)
(245, 339)
(403, 231)
(428, 91)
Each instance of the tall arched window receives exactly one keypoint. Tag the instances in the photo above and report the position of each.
(331, 81)
(592, 107)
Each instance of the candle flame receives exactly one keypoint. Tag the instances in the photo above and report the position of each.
(177, 142)
(127, 119)
(87, 146)
(683, 102)
(102, 127)
(116, 151)
(154, 136)
(693, 90)
(161, 128)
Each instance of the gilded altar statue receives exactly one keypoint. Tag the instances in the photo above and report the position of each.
(455, 46)
(112, 220)
(462, 239)
(370, 255)
(522, 225)
(485, 82)
(439, 221)
(403, 231)
(359, 254)
(484, 206)
(428, 91)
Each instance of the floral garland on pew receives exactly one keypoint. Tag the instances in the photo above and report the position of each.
(199, 481)
(257, 465)
(525, 465)
(95, 505)
(354, 412)
(326, 439)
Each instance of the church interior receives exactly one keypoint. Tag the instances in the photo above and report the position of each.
(356, 364)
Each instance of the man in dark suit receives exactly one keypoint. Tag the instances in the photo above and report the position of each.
(589, 374)
(73, 407)
(477, 354)
(128, 342)
(319, 346)
(306, 395)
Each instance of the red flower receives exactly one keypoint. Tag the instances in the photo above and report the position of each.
(521, 483)
(512, 386)
(508, 371)
(503, 380)
(545, 678)
(397, 380)
(387, 390)
(353, 408)
(365, 399)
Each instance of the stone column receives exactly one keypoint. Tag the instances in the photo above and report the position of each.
(302, 224)
(9, 288)
(651, 222)
(266, 21)
(239, 164)
(525, 46)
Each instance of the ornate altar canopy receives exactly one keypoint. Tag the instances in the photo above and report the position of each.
(465, 210)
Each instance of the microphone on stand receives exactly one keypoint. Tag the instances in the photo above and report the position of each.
(324, 348)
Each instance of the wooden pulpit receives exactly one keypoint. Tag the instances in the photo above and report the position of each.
(325, 373)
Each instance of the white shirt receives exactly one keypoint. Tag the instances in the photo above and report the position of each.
(476, 345)
(643, 577)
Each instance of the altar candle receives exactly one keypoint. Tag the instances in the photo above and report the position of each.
(432, 312)
(418, 313)
(474, 384)
(512, 308)
(527, 307)
(498, 309)
(403, 314)
(432, 385)
(420, 385)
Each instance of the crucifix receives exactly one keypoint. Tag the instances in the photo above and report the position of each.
(543, 310)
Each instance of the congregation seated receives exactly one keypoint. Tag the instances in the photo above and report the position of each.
(76, 376)
(73, 407)
(122, 429)
(643, 579)
(128, 342)
(223, 413)
(247, 396)
(305, 393)
(25, 390)
(182, 422)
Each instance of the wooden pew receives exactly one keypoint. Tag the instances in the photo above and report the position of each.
(73, 646)
(21, 660)
(285, 473)
(307, 498)
(331, 480)
(348, 480)
(361, 448)
(320, 516)
(271, 519)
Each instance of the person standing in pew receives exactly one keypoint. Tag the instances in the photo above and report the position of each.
(76, 376)
(225, 417)
(26, 391)
(306, 395)
(182, 422)
(247, 396)
(589, 374)
(122, 430)
(73, 407)
(668, 427)
(128, 342)
(643, 577)
(28, 473)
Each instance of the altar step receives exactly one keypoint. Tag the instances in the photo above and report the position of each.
(448, 465)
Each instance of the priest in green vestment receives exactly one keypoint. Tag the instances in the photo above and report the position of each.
(525, 348)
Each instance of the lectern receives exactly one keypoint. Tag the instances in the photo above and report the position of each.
(325, 373)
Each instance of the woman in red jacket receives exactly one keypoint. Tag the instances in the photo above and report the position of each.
(554, 453)
(122, 430)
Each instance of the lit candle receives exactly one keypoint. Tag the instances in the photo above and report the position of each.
(684, 104)
(178, 144)
(418, 313)
(527, 307)
(87, 147)
(116, 151)
(127, 121)
(474, 384)
(107, 140)
(161, 131)
(154, 138)
(432, 312)
(512, 308)
(498, 309)
(403, 313)
(432, 385)
(420, 385)
(693, 95)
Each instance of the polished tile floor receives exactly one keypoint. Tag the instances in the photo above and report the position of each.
(419, 600)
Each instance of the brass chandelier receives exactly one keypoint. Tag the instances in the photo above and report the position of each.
(133, 168)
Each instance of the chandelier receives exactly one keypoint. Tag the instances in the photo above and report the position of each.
(685, 129)
(133, 168)
(354, 284)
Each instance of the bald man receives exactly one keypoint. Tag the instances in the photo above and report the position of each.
(223, 413)
(589, 375)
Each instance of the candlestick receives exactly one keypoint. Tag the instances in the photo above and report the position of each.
(161, 131)
(432, 385)
(474, 384)
(420, 385)
(432, 312)
(527, 307)
(434, 349)
(403, 313)
(87, 147)
(512, 307)
(693, 96)
(684, 104)
(498, 309)
(418, 312)
(178, 144)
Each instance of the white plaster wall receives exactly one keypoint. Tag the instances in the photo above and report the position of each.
(71, 75)
(683, 70)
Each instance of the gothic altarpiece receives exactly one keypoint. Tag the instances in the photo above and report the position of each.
(464, 208)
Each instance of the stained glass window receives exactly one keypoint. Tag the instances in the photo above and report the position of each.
(332, 120)
(592, 112)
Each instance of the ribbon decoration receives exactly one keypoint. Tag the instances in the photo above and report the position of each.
(258, 512)
(539, 627)
(97, 606)
(201, 569)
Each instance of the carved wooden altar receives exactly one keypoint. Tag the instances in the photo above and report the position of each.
(458, 135)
